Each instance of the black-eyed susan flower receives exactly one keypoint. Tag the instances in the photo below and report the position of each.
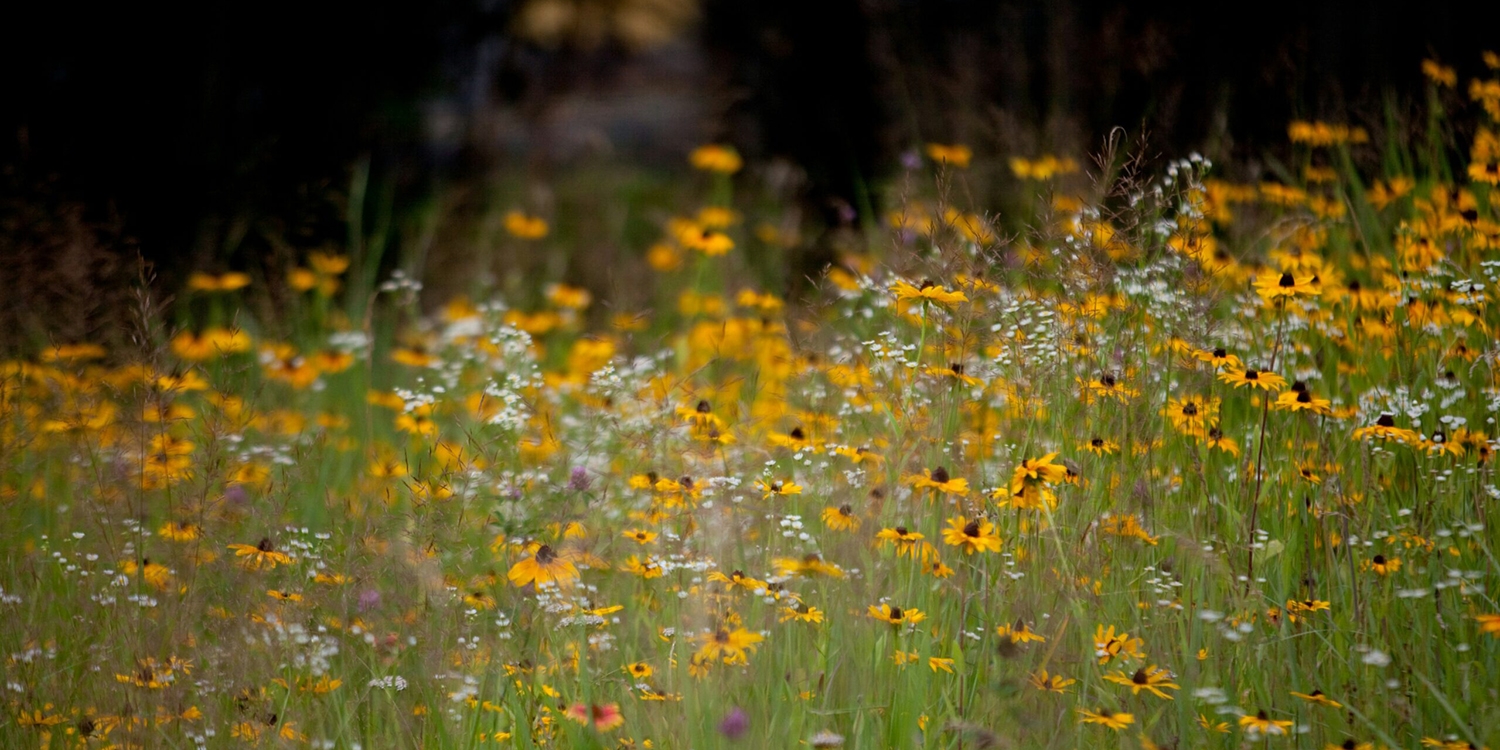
(544, 566)
(1052, 683)
(810, 564)
(801, 612)
(1111, 645)
(977, 535)
(1261, 723)
(1317, 696)
(639, 536)
(1215, 439)
(1034, 470)
(1210, 725)
(956, 155)
(927, 292)
(896, 615)
(1252, 378)
(737, 580)
(1019, 633)
(728, 646)
(1489, 624)
(1274, 289)
(1385, 429)
(261, 556)
(841, 518)
(938, 481)
(903, 539)
(1100, 446)
(1152, 679)
(1382, 565)
(1104, 717)
(1191, 414)
(716, 158)
(1217, 358)
(778, 488)
(1299, 398)
(638, 670)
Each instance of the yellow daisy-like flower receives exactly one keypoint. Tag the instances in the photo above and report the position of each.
(1252, 378)
(973, 536)
(1152, 679)
(841, 518)
(1260, 723)
(1272, 288)
(545, 565)
(1301, 399)
(728, 646)
(262, 556)
(896, 615)
(716, 158)
(1319, 698)
(1106, 718)
(928, 292)
(1037, 470)
(953, 155)
(777, 488)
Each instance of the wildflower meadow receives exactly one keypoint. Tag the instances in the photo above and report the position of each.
(1159, 457)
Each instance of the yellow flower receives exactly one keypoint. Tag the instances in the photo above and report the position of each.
(1050, 682)
(903, 539)
(1262, 379)
(1273, 288)
(841, 518)
(262, 556)
(543, 566)
(729, 646)
(972, 536)
(1319, 698)
(202, 282)
(955, 155)
(1152, 679)
(896, 615)
(927, 293)
(1019, 633)
(1299, 398)
(1260, 723)
(715, 158)
(1104, 717)
(778, 488)
(522, 226)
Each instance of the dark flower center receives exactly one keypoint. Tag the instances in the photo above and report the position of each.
(1252, 375)
(545, 555)
(797, 434)
(1097, 442)
(265, 544)
(845, 510)
(1386, 420)
(1286, 281)
(1219, 353)
(896, 613)
(901, 531)
(1189, 409)
(703, 407)
(1139, 677)
(1303, 397)
(940, 475)
(1380, 559)
(971, 529)
(1108, 381)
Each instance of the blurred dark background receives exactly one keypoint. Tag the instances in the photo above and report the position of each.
(227, 135)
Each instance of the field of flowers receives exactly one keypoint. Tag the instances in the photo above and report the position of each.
(1177, 462)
